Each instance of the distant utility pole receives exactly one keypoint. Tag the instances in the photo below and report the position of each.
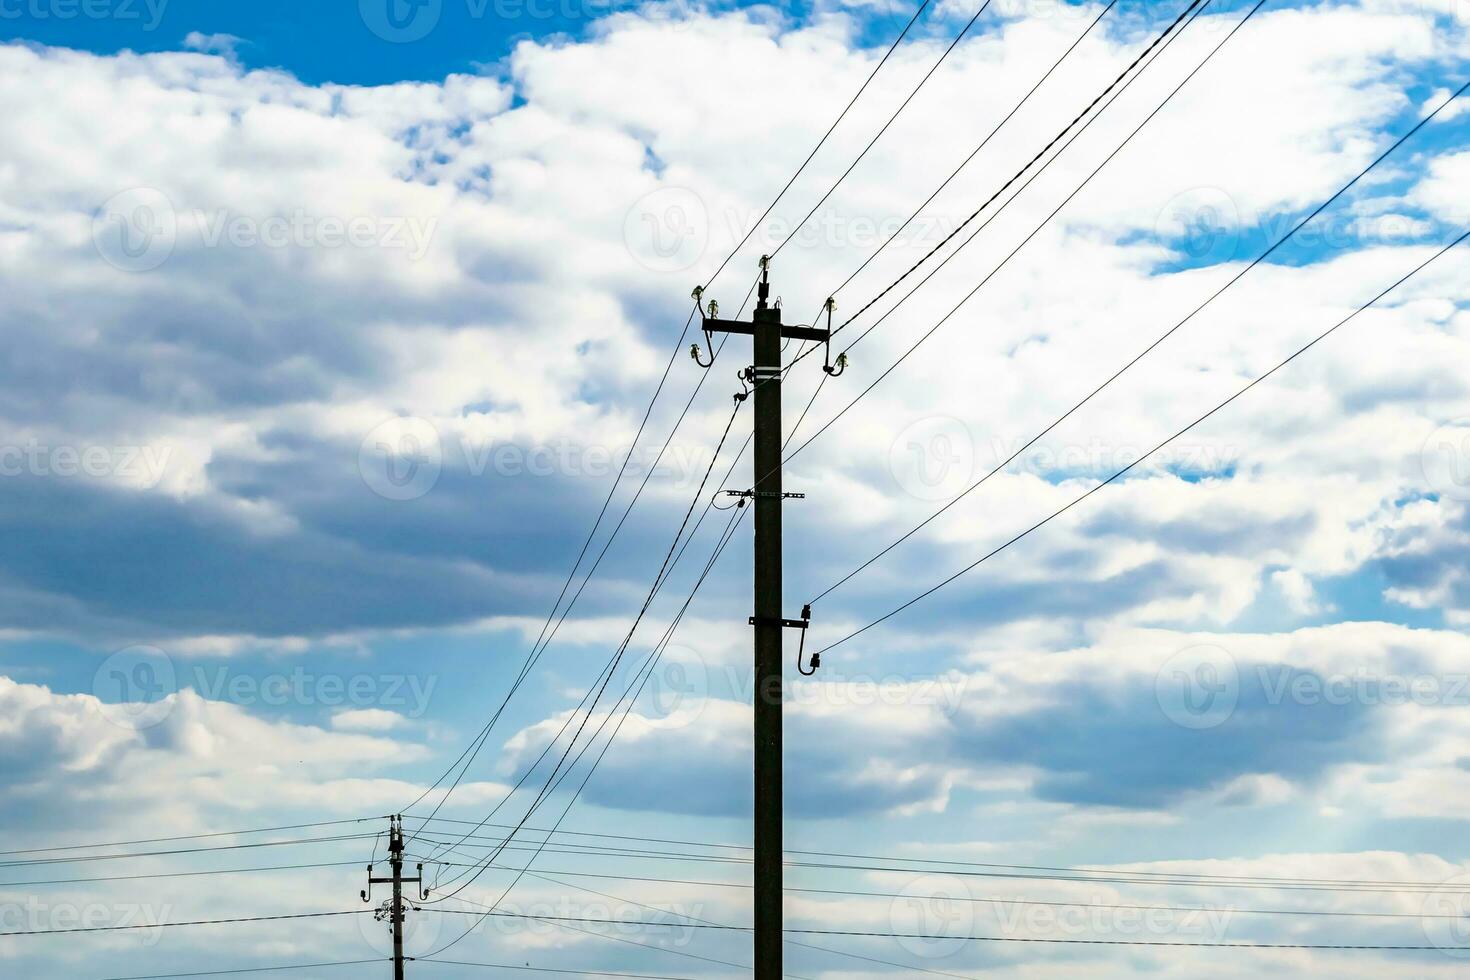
(765, 377)
(394, 910)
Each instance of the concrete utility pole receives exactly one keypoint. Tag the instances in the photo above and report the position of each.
(765, 377)
(395, 909)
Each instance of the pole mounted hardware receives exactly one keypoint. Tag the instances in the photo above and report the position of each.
(713, 310)
(831, 307)
(763, 493)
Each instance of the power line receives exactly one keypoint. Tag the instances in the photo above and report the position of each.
(657, 585)
(1122, 472)
(648, 602)
(567, 926)
(874, 934)
(537, 653)
(1009, 873)
(980, 146)
(884, 128)
(724, 541)
(1149, 349)
(1029, 238)
(180, 925)
(181, 874)
(251, 969)
(822, 382)
(191, 850)
(1194, 4)
(939, 863)
(571, 575)
(209, 834)
(546, 969)
(840, 116)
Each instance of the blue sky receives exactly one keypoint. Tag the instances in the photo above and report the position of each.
(328, 327)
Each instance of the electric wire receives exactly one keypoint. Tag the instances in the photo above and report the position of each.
(179, 925)
(603, 553)
(648, 602)
(975, 152)
(725, 539)
(183, 837)
(876, 934)
(1125, 470)
(1279, 243)
(840, 116)
(571, 575)
(1168, 32)
(884, 128)
(250, 969)
(1029, 238)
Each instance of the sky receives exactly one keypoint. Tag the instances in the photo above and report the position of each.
(330, 341)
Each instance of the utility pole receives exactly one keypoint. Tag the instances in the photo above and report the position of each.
(765, 377)
(394, 909)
